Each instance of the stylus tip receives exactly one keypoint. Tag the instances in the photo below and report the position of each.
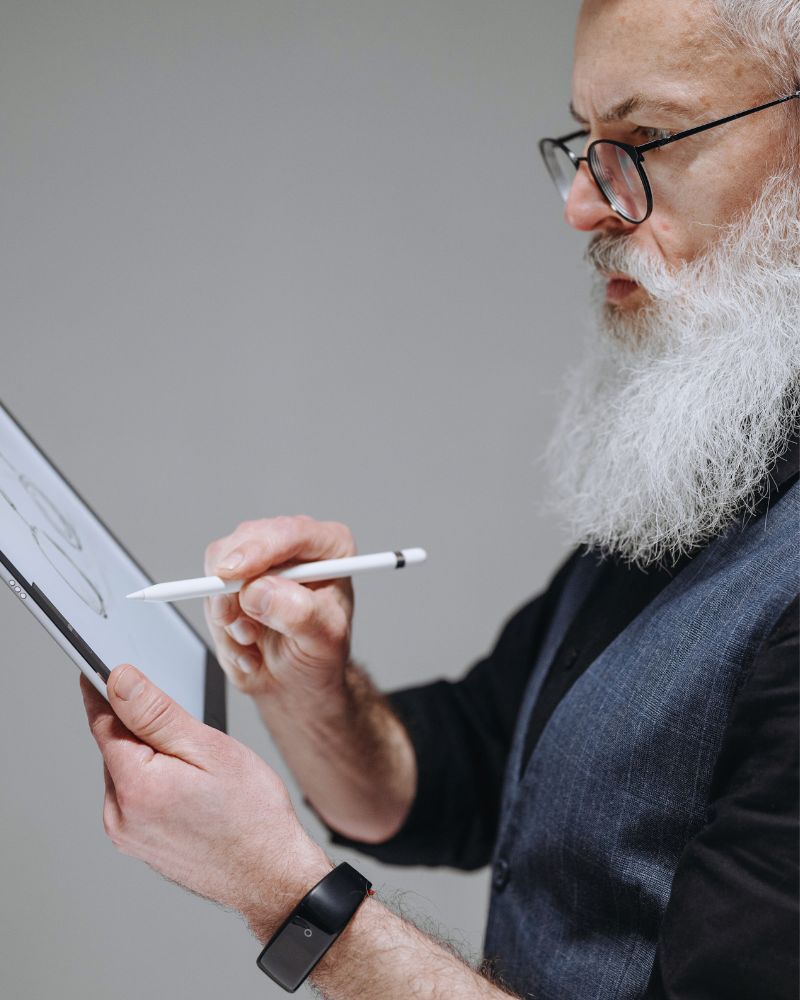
(137, 595)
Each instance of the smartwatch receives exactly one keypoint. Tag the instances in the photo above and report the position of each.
(312, 927)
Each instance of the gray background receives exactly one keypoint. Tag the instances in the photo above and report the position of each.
(259, 258)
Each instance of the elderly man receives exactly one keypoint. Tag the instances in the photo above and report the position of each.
(626, 757)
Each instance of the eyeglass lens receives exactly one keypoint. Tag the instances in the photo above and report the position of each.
(613, 168)
(619, 179)
(559, 166)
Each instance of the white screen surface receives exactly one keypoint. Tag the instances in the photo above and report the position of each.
(55, 542)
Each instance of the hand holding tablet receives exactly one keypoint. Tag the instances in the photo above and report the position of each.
(74, 574)
(63, 563)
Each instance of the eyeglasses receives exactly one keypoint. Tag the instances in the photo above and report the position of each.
(617, 167)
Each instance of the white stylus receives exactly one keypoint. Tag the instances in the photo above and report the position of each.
(328, 569)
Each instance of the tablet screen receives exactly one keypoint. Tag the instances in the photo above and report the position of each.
(59, 546)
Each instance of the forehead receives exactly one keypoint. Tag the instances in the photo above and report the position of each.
(669, 50)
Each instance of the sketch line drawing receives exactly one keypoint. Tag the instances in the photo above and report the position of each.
(6, 462)
(70, 573)
(62, 563)
(51, 513)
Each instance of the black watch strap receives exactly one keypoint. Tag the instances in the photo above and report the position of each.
(312, 927)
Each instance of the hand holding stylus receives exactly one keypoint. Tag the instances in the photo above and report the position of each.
(274, 632)
(278, 635)
(287, 645)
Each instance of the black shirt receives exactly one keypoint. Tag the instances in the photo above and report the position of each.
(731, 926)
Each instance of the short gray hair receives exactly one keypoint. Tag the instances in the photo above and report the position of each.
(772, 28)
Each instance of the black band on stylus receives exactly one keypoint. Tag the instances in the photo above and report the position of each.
(401, 560)
(312, 927)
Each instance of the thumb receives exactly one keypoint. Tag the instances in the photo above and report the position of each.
(154, 717)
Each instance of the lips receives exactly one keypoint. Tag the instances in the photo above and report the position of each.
(619, 287)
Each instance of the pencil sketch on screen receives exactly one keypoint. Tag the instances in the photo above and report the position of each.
(56, 543)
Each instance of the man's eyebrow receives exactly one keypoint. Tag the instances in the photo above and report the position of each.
(635, 104)
(578, 118)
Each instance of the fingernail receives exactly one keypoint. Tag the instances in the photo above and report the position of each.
(128, 684)
(242, 631)
(236, 558)
(247, 664)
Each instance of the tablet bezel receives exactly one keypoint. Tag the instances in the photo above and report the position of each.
(79, 651)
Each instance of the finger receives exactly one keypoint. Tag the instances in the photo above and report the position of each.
(245, 631)
(236, 660)
(223, 609)
(225, 618)
(257, 546)
(297, 612)
(156, 719)
(117, 744)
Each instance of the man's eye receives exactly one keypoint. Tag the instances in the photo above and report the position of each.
(653, 134)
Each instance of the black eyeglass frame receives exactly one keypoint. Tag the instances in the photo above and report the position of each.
(636, 153)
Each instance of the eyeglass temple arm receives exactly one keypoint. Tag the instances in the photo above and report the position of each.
(657, 143)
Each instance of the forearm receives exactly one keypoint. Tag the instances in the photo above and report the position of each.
(349, 753)
(381, 955)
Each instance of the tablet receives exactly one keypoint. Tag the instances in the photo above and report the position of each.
(63, 564)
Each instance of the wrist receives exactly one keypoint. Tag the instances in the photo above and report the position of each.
(281, 887)
(313, 926)
(305, 703)
(363, 932)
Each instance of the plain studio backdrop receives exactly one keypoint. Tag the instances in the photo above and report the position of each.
(264, 257)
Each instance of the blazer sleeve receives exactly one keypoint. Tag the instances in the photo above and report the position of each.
(731, 926)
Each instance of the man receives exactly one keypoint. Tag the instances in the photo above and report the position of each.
(641, 713)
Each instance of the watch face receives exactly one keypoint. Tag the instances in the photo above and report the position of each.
(294, 952)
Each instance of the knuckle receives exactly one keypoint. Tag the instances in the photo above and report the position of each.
(338, 627)
(156, 714)
(334, 632)
(344, 536)
(257, 547)
(251, 526)
(212, 553)
(299, 608)
(261, 548)
(292, 526)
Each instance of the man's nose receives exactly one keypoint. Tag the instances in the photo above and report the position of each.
(586, 208)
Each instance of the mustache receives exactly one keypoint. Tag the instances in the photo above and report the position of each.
(617, 255)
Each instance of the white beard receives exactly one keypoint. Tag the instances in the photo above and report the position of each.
(676, 414)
